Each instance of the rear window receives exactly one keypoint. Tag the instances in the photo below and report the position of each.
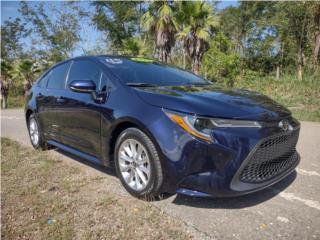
(58, 76)
(136, 70)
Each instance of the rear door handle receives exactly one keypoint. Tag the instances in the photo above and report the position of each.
(61, 100)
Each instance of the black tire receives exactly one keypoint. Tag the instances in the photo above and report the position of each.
(152, 190)
(41, 144)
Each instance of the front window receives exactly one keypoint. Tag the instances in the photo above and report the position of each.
(145, 71)
(84, 70)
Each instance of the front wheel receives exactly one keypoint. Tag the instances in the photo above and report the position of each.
(138, 165)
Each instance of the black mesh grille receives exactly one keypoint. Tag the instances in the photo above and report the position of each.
(272, 157)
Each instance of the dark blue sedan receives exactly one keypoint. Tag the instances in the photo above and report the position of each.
(164, 129)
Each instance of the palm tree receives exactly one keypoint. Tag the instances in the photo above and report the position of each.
(198, 22)
(134, 46)
(26, 72)
(160, 21)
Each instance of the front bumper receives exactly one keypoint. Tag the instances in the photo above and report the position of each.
(200, 182)
(272, 159)
(230, 166)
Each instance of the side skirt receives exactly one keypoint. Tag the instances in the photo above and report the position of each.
(75, 152)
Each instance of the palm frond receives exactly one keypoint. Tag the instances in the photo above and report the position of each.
(202, 34)
(148, 21)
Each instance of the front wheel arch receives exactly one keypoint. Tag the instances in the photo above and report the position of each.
(124, 124)
(154, 189)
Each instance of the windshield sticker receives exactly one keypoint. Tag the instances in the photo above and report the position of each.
(114, 60)
(144, 60)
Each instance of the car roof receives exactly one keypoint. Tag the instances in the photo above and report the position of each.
(93, 57)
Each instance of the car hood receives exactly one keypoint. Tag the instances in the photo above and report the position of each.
(214, 101)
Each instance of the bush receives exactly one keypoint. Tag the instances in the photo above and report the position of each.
(220, 64)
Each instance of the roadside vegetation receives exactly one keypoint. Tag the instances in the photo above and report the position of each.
(301, 97)
(270, 47)
(42, 198)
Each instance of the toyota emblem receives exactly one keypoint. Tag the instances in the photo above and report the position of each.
(284, 125)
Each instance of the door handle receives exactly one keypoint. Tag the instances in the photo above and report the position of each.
(61, 99)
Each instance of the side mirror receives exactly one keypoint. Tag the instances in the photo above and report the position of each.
(83, 86)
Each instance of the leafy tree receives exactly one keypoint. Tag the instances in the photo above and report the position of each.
(221, 63)
(315, 34)
(198, 22)
(135, 46)
(161, 22)
(119, 20)
(11, 34)
(271, 35)
(57, 32)
(28, 71)
(11, 48)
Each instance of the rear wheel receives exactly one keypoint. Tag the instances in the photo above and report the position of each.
(138, 165)
(35, 133)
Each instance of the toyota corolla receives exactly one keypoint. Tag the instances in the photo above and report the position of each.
(164, 129)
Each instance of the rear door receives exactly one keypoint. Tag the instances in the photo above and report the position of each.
(50, 101)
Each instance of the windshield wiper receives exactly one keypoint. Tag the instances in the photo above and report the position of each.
(199, 84)
(133, 84)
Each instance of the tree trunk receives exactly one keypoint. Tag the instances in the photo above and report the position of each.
(160, 57)
(4, 93)
(300, 63)
(196, 66)
(4, 101)
(163, 55)
(278, 72)
(316, 51)
(184, 58)
(299, 72)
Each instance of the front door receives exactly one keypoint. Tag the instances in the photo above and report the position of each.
(81, 118)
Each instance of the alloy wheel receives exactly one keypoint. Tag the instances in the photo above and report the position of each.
(134, 164)
(34, 131)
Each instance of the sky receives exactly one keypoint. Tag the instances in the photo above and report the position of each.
(9, 10)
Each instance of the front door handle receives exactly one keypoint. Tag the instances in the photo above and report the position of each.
(61, 100)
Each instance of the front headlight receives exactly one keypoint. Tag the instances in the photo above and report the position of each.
(201, 127)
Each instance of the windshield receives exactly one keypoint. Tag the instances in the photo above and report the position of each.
(145, 71)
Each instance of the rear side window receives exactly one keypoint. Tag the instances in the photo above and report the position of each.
(57, 77)
(44, 80)
(85, 70)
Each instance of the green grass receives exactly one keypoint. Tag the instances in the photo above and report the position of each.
(301, 97)
(46, 198)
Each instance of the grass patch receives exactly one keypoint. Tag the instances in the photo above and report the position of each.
(301, 97)
(45, 198)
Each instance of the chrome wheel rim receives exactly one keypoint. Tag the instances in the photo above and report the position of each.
(134, 164)
(34, 131)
